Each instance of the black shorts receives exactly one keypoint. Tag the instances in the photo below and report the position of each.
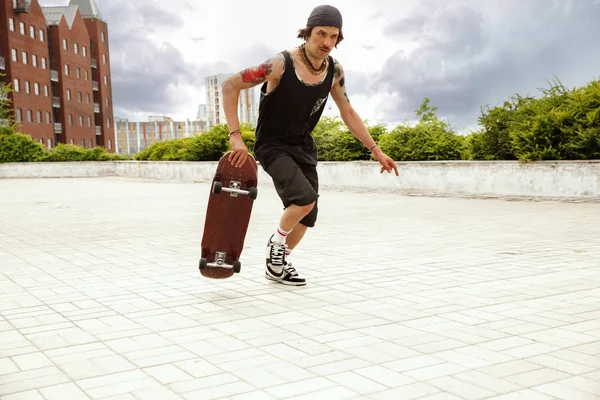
(295, 183)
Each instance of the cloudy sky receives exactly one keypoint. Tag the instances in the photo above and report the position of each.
(462, 54)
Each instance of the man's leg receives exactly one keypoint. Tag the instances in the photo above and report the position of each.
(299, 198)
(296, 236)
(309, 220)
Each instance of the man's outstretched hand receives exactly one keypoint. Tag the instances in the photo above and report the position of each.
(387, 164)
(239, 151)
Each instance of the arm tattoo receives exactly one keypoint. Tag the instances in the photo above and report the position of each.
(257, 74)
(339, 72)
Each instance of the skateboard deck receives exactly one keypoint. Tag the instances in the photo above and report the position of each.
(232, 195)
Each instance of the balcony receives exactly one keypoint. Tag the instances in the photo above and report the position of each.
(2, 63)
(94, 63)
(53, 75)
(95, 86)
(57, 127)
(55, 102)
(97, 108)
(98, 130)
(22, 6)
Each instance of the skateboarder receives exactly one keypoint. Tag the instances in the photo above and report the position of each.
(295, 86)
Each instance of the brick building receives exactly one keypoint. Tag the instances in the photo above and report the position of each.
(57, 59)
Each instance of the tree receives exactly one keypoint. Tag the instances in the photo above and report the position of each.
(6, 114)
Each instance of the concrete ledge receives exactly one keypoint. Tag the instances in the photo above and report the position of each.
(568, 180)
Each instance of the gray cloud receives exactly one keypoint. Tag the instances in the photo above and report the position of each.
(147, 76)
(467, 57)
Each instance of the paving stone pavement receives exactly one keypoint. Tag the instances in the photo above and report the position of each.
(407, 298)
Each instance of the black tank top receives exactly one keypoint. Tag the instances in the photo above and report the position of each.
(288, 115)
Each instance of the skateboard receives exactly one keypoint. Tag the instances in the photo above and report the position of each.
(233, 191)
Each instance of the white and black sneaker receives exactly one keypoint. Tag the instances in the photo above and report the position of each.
(277, 268)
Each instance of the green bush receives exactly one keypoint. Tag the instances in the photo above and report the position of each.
(430, 139)
(18, 147)
(209, 146)
(336, 143)
(560, 125)
(71, 152)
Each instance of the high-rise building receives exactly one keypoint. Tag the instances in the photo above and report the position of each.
(57, 60)
(247, 103)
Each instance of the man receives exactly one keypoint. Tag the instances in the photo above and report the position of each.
(295, 87)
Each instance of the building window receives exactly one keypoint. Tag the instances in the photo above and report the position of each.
(46, 90)
(110, 144)
(78, 72)
(48, 118)
(88, 98)
(27, 87)
(43, 62)
(76, 48)
(102, 36)
(24, 57)
(84, 49)
(65, 45)
(80, 97)
(32, 31)
(15, 55)
(70, 119)
(39, 117)
(11, 24)
(34, 60)
(81, 120)
(18, 115)
(108, 122)
(107, 101)
(16, 85)
(67, 69)
(104, 58)
(105, 80)
(41, 34)
(49, 143)
(36, 88)
(89, 121)
(22, 27)
(29, 116)
(69, 94)
(86, 75)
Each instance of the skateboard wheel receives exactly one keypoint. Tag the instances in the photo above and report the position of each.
(203, 263)
(217, 187)
(237, 267)
(253, 193)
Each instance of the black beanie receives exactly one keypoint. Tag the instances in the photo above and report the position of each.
(325, 16)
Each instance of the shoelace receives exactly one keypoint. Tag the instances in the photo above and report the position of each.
(289, 269)
(277, 253)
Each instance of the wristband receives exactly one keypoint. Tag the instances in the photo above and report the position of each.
(235, 131)
(371, 149)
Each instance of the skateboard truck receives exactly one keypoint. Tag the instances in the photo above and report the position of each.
(220, 262)
(234, 189)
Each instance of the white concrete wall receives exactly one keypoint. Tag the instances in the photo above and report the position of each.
(548, 179)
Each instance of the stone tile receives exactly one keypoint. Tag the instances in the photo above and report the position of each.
(428, 298)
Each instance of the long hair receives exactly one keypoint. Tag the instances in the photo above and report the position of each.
(305, 33)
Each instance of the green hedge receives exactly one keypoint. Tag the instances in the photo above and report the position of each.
(561, 124)
(19, 147)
